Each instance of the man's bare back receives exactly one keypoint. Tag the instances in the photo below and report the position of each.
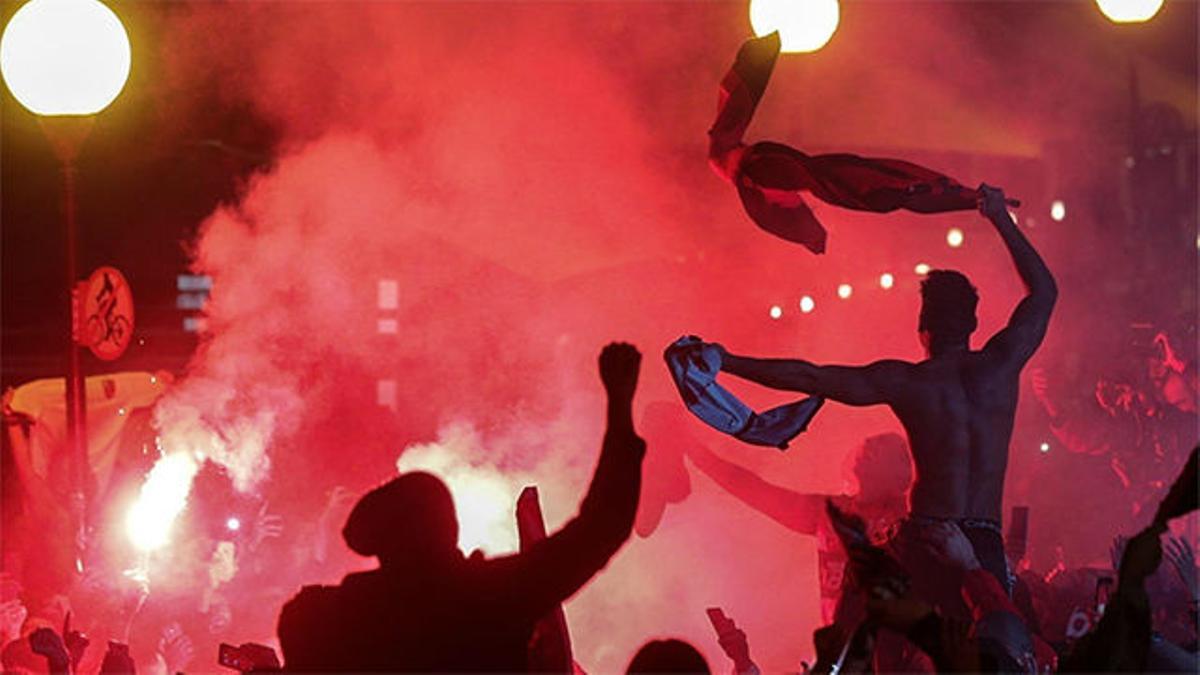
(958, 412)
(958, 405)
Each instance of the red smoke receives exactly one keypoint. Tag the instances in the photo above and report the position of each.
(533, 178)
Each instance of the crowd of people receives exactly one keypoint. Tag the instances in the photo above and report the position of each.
(916, 571)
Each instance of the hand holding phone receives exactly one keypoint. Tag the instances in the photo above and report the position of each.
(732, 640)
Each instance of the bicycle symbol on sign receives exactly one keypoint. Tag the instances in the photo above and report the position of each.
(109, 308)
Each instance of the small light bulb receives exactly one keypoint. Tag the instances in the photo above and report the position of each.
(886, 280)
(921, 268)
(233, 524)
(776, 311)
(844, 291)
(1044, 447)
(807, 304)
(954, 237)
(1058, 210)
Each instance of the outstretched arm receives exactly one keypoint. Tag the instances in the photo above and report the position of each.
(872, 384)
(554, 568)
(1027, 325)
(796, 511)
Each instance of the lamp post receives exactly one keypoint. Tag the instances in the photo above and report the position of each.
(65, 61)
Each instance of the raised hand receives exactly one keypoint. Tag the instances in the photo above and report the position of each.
(12, 616)
(266, 526)
(1142, 556)
(47, 643)
(732, 640)
(175, 648)
(992, 202)
(720, 349)
(1040, 384)
(337, 505)
(1179, 553)
(75, 641)
(946, 541)
(619, 367)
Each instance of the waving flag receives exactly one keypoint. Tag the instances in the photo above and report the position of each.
(770, 176)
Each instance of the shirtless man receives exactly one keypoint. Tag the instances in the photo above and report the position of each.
(957, 406)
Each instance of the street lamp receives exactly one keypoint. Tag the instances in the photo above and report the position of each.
(1129, 11)
(65, 61)
(803, 25)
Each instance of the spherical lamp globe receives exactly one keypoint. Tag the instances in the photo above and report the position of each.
(803, 25)
(64, 57)
(1129, 11)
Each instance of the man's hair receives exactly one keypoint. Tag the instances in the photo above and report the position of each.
(668, 656)
(948, 302)
(412, 514)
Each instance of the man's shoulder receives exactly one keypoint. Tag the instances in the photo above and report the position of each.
(896, 368)
(310, 598)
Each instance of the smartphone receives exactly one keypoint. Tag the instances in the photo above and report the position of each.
(720, 622)
(232, 657)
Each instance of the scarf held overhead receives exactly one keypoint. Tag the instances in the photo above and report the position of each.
(769, 176)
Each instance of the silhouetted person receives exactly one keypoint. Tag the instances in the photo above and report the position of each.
(668, 656)
(957, 406)
(883, 473)
(427, 608)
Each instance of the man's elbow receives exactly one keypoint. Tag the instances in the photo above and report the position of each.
(1045, 291)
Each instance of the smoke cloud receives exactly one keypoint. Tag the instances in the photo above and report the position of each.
(530, 178)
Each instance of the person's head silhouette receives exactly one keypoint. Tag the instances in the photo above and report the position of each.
(948, 302)
(409, 521)
(668, 656)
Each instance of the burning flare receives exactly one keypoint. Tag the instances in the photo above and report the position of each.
(163, 497)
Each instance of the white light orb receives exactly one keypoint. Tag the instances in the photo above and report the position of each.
(776, 311)
(803, 25)
(1058, 210)
(807, 304)
(921, 268)
(886, 280)
(233, 524)
(1129, 11)
(845, 291)
(1044, 447)
(954, 237)
(64, 57)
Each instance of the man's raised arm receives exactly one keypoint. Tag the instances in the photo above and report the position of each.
(872, 384)
(554, 568)
(1027, 325)
(796, 511)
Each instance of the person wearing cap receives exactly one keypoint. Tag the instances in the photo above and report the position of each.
(427, 607)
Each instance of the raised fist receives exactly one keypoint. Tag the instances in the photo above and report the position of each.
(991, 201)
(46, 642)
(1143, 553)
(619, 366)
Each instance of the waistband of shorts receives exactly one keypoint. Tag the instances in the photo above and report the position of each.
(966, 523)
